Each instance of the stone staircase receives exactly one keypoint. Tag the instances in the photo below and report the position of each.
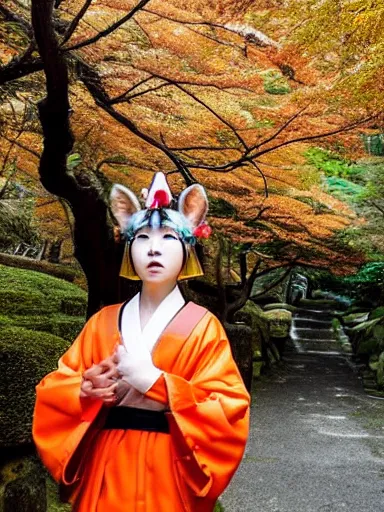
(312, 330)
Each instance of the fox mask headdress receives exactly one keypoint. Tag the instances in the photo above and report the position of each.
(186, 218)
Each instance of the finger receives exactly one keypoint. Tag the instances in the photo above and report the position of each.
(86, 386)
(93, 371)
(99, 369)
(111, 372)
(102, 382)
(99, 381)
(100, 392)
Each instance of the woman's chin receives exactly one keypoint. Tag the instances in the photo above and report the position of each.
(158, 278)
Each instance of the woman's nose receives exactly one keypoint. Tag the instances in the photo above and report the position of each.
(154, 247)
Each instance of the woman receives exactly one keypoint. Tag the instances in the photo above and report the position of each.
(147, 411)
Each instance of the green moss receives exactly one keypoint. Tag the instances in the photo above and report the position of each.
(26, 357)
(53, 501)
(279, 322)
(25, 292)
(218, 507)
(254, 316)
(275, 82)
(22, 485)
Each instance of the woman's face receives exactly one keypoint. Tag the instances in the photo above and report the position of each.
(157, 255)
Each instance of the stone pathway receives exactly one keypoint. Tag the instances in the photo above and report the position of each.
(316, 442)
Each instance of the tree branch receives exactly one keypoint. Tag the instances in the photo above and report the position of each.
(280, 130)
(121, 97)
(76, 20)
(218, 116)
(109, 30)
(306, 138)
(93, 83)
(278, 281)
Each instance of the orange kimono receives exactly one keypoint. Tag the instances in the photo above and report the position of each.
(140, 471)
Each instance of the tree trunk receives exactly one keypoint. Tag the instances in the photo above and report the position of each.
(95, 248)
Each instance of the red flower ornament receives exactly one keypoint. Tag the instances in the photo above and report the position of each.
(202, 231)
(160, 199)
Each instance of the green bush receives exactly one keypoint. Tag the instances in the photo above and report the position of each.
(25, 358)
(25, 302)
(74, 305)
(25, 292)
(40, 316)
(335, 166)
(64, 326)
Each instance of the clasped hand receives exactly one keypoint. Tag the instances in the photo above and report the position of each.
(114, 376)
(100, 381)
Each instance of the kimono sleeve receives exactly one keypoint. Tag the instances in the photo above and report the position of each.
(209, 417)
(61, 418)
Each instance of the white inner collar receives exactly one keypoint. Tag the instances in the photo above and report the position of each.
(130, 321)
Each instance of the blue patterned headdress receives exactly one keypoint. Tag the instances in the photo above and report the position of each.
(161, 217)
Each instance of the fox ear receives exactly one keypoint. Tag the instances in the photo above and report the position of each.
(124, 204)
(193, 204)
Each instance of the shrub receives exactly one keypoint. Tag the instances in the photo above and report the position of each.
(25, 358)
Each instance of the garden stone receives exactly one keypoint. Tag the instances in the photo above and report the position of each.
(240, 337)
(22, 486)
(280, 321)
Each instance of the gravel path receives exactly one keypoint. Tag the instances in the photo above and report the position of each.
(316, 442)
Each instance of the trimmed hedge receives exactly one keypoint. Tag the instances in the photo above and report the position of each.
(40, 316)
(64, 326)
(25, 292)
(25, 358)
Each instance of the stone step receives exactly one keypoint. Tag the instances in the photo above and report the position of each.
(306, 339)
(317, 345)
(315, 315)
(316, 334)
(310, 323)
(319, 304)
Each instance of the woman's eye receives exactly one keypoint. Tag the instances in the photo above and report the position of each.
(168, 236)
(142, 236)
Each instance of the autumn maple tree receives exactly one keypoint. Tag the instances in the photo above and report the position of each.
(191, 88)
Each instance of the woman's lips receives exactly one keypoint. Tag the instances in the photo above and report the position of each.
(155, 264)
